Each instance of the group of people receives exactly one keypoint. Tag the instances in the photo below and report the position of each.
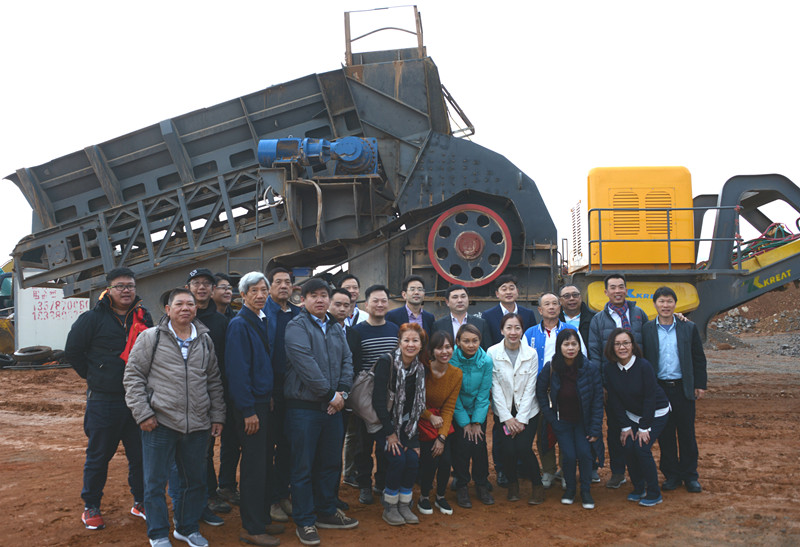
(273, 382)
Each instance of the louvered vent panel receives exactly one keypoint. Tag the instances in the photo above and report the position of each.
(657, 220)
(625, 223)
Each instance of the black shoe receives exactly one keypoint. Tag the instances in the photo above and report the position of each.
(218, 505)
(365, 496)
(671, 483)
(443, 506)
(341, 504)
(502, 480)
(484, 495)
(350, 480)
(338, 520)
(424, 506)
(209, 517)
(463, 498)
(693, 487)
(586, 500)
(308, 535)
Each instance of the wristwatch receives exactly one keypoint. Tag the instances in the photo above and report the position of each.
(345, 395)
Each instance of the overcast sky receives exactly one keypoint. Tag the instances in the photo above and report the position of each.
(556, 87)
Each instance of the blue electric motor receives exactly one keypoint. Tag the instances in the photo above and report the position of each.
(352, 155)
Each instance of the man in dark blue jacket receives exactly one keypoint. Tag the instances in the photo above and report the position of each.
(279, 312)
(250, 385)
(414, 295)
(507, 293)
(458, 302)
(97, 346)
(676, 351)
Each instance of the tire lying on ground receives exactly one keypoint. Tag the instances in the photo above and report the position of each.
(34, 354)
(7, 360)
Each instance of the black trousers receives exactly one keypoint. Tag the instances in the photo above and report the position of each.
(466, 451)
(254, 472)
(677, 442)
(364, 464)
(438, 467)
(520, 449)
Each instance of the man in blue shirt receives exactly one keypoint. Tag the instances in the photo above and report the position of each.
(675, 350)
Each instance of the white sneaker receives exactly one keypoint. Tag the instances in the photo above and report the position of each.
(547, 479)
(195, 539)
(160, 542)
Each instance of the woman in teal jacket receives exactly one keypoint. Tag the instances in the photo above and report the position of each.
(470, 415)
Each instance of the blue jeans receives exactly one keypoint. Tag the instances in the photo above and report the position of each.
(401, 471)
(574, 448)
(640, 462)
(316, 443)
(161, 447)
(106, 423)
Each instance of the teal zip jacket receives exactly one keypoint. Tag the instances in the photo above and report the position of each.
(476, 387)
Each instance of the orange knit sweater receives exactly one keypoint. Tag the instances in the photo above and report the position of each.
(442, 393)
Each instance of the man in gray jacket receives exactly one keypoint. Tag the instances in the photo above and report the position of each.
(617, 313)
(174, 390)
(319, 375)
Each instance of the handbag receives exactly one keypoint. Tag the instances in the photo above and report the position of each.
(426, 430)
(360, 398)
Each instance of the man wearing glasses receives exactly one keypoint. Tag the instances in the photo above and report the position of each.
(223, 295)
(414, 295)
(98, 346)
(574, 311)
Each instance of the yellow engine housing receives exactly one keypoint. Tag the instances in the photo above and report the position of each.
(640, 188)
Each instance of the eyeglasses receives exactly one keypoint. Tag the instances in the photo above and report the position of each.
(571, 295)
(622, 344)
(201, 283)
(123, 288)
(225, 288)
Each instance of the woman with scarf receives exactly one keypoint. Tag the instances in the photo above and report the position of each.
(472, 407)
(399, 400)
(570, 395)
(516, 410)
(442, 385)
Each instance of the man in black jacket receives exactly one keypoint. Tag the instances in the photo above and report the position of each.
(574, 310)
(458, 303)
(201, 282)
(97, 346)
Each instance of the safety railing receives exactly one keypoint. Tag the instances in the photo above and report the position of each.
(600, 241)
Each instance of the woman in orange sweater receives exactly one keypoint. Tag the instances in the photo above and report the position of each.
(442, 385)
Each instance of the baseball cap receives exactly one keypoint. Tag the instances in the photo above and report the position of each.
(201, 272)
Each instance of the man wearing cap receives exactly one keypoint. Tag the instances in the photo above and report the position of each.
(98, 346)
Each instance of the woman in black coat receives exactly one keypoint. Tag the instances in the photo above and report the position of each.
(641, 407)
(570, 395)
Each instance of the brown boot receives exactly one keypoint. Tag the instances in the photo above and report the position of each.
(264, 540)
(513, 491)
(537, 495)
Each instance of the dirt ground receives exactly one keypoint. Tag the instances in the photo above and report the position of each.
(749, 455)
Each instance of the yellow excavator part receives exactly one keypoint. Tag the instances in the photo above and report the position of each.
(771, 257)
(641, 292)
(6, 335)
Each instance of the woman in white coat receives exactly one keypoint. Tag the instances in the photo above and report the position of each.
(515, 406)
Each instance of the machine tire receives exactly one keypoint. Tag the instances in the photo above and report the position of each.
(34, 354)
